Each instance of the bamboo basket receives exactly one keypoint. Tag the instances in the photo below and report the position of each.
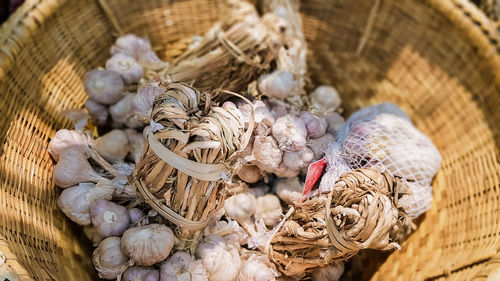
(439, 60)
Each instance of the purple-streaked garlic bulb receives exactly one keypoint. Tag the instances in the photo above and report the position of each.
(126, 66)
(290, 132)
(113, 146)
(109, 218)
(135, 215)
(73, 168)
(289, 189)
(140, 49)
(93, 235)
(331, 272)
(97, 111)
(268, 208)
(315, 125)
(325, 99)
(297, 160)
(64, 139)
(136, 144)
(255, 270)
(279, 84)
(335, 121)
(250, 173)
(108, 258)
(221, 261)
(103, 86)
(149, 244)
(141, 273)
(181, 266)
(266, 152)
(320, 145)
(143, 101)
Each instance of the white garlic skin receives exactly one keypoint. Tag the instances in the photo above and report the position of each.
(103, 86)
(113, 146)
(126, 66)
(222, 262)
(135, 215)
(149, 244)
(254, 270)
(297, 160)
(335, 121)
(250, 173)
(143, 100)
(92, 234)
(279, 84)
(240, 207)
(108, 258)
(328, 273)
(289, 190)
(97, 111)
(73, 168)
(315, 125)
(283, 171)
(269, 209)
(181, 266)
(64, 139)
(267, 153)
(320, 145)
(325, 99)
(109, 218)
(141, 273)
(290, 133)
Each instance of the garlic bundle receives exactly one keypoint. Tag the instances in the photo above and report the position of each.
(181, 266)
(149, 244)
(113, 146)
(325, 99)
(268, 208)
(255, 270)
(104, 86)
(75, 202)
(109, 259)
(141, 273)
(126, 66)
(222, 262)
(290, 133)
(109, 218)
(289, 189)
(328, 273)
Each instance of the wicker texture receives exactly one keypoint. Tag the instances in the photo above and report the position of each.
(439, 60)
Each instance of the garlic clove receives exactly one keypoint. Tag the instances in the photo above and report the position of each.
(250, 173)
(279, 84)
(315, 125)
(181, 266)
(129, 69)
(141, 273)
(268, 208)
(325, 99)
(103, 86)
(297, 160)
(254, 270)
(149, 244)
(97, 111)
(221, 261)
(108, 258)
(135, 215)
(289, 189)
(290, 132)
(113, 146)
(109, 218)
(328, 273)
(64, 139)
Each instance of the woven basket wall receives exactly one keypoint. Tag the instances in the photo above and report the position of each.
(439, 60)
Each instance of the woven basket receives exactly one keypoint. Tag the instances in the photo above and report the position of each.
(439, 60)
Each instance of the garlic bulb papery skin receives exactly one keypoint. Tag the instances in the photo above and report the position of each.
(141, 273)
(108, 258)
(289, 190)
(122, 110)
(149, 244)
(254, 270)
(279, 84)
(113, 146)
(221, 261)
(266, 152)
(73, 168)
(129, 69)
(335, 121)
(315, 125)
(250, 173)
(92, 234)
(329, 273)
(136, 144)
(285, 172)
(135, 215)
(269, 209)
(325, 99)
(64, 139)
(103, 86)
(97, 111)
(297, 160)
(241, 207)
(109, 218)
(320, 145)
(75, 201)
(290, 133)
(143, 100)
(264, 120)
(181, 266)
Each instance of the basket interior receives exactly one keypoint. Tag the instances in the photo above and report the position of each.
(417, 54)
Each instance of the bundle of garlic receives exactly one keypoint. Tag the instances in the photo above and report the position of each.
(359, 213)
(193, 145)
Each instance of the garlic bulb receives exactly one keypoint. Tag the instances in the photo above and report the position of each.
(335, 121)
(92, 234)
(254, 270)
(103, 86)
(121, 112)
(138, 48)
(136, 144)
(289, 190)
(113, 146)
(73, 168)
(109, 218)
(181, 266)
(143, 100)
(315, 125)
(269, 209)
(128, 68)
(135, 215)
(141, 273)
(109, 259)
(290, 133)
(320, 145)
(283, 171)
(97, 111)
(266, 152)
(329, 273)
(249, 173)
(75, 201)
(221, 262)
(297, 160)
(325, 99)
(149, 244)
(64, 139)
(240, 207)
(279, 84)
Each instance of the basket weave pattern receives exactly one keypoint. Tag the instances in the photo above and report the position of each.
(438, 60)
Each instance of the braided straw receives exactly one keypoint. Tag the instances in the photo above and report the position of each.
(360, 213)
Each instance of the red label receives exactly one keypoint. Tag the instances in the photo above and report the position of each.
(314, 172)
